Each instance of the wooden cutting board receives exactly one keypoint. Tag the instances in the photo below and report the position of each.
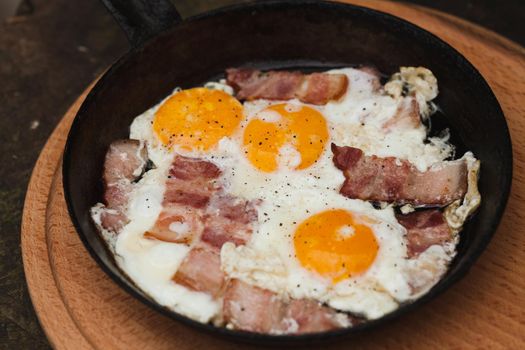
(80, 307)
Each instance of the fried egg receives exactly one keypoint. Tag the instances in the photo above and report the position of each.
(283, 131)
(309, 240)
(196, 119)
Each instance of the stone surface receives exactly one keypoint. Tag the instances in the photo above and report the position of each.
(48, 55)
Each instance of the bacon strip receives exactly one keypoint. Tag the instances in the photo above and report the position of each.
(310, 316)
(185, 168)
(425, 228)
(201, 271)
(125, 160)
(255, 309)
(394, 180)
(124, 163)
(177, 224)
(406, 117)
(315, 88)
(251, 308)
(189, 187)
(229, 219)
(190, 182)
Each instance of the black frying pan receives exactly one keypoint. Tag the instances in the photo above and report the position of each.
(168, 52)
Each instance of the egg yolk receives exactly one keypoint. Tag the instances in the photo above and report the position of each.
(302, 127)
(333, 244)
(197, 118)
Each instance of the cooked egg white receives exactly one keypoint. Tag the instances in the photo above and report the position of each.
(292, 172)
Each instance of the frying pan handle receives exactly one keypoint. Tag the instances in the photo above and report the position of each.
(142, 19)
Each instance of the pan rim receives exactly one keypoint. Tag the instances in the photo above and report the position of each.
(444, 284)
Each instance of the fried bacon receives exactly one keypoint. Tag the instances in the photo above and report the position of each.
(251, 308)
(185, 168)
(124, 163)
(255, 309)
(315, 88)
(229, 219)
(201, 270)
(406, 117)
(191, 182)
(190, 185)
(425, 228)
(125, 160)
(310, 316)
(397, 181)
(177, 224)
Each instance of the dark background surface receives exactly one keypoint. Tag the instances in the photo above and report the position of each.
(49, 53)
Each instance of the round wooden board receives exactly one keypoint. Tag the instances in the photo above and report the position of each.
(80, 307)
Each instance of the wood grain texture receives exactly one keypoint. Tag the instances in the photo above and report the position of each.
(80, 307)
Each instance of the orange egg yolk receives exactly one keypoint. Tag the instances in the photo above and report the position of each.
(196, 119)
(302, 127)
(333, 244)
